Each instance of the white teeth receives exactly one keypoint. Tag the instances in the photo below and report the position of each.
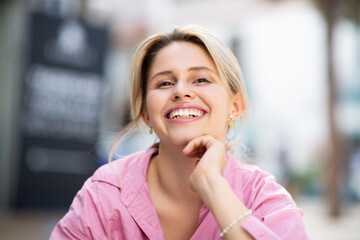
(185, 113)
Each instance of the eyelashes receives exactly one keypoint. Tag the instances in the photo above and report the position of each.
(201, 80)
(168, 83)
(164, 84)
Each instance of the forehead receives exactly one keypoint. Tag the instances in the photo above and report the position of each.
(181, 55)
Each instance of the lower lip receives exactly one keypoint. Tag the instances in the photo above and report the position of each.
(185, 120)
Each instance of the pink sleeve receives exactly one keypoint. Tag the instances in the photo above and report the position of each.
(275, 214)
(84, 218)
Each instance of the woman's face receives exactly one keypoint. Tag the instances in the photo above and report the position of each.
(185, 95)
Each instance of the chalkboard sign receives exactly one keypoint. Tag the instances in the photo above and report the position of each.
(62, 97)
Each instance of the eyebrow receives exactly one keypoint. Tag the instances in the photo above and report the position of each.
(200, 68)
(161, 73)
(192, 69)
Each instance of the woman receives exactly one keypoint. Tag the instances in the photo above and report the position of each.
(188, 88)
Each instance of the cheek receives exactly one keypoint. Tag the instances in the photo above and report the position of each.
(219, 98)
(154, 104)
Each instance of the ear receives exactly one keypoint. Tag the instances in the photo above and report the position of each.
(145, 116)
(238, 105)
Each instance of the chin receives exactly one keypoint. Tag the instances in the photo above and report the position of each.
(181, 141)
(183, 138)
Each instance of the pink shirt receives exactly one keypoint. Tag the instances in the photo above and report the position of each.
(115, 204)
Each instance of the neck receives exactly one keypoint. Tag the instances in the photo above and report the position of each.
(170, 171)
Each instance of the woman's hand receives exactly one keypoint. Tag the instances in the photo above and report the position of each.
(211, 163)
(213, 189)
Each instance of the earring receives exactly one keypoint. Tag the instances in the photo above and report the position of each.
(151, 130)
(231, 123)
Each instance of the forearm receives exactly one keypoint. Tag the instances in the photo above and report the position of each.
(217, 194)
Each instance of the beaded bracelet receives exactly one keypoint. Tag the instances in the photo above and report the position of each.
(245, 214)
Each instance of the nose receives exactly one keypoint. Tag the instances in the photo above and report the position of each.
(182, 91)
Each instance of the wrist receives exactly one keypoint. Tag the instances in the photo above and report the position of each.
(206, 182)
(219, 197)
(211, 187)
(222, 201)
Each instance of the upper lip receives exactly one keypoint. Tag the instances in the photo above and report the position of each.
(183, 106)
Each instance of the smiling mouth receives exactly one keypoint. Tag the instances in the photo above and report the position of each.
(185, 113)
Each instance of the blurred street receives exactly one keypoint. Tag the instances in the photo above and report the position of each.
(320, 226)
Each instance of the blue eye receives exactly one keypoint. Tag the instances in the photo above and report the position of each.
(163, 84)
(201, 80)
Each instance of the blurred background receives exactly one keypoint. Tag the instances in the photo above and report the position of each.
(63, 98)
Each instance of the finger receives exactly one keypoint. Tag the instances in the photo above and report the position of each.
(198, 146)
(197, 152)
(194, 144)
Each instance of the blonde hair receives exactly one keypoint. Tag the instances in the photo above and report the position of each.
(225, 61)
